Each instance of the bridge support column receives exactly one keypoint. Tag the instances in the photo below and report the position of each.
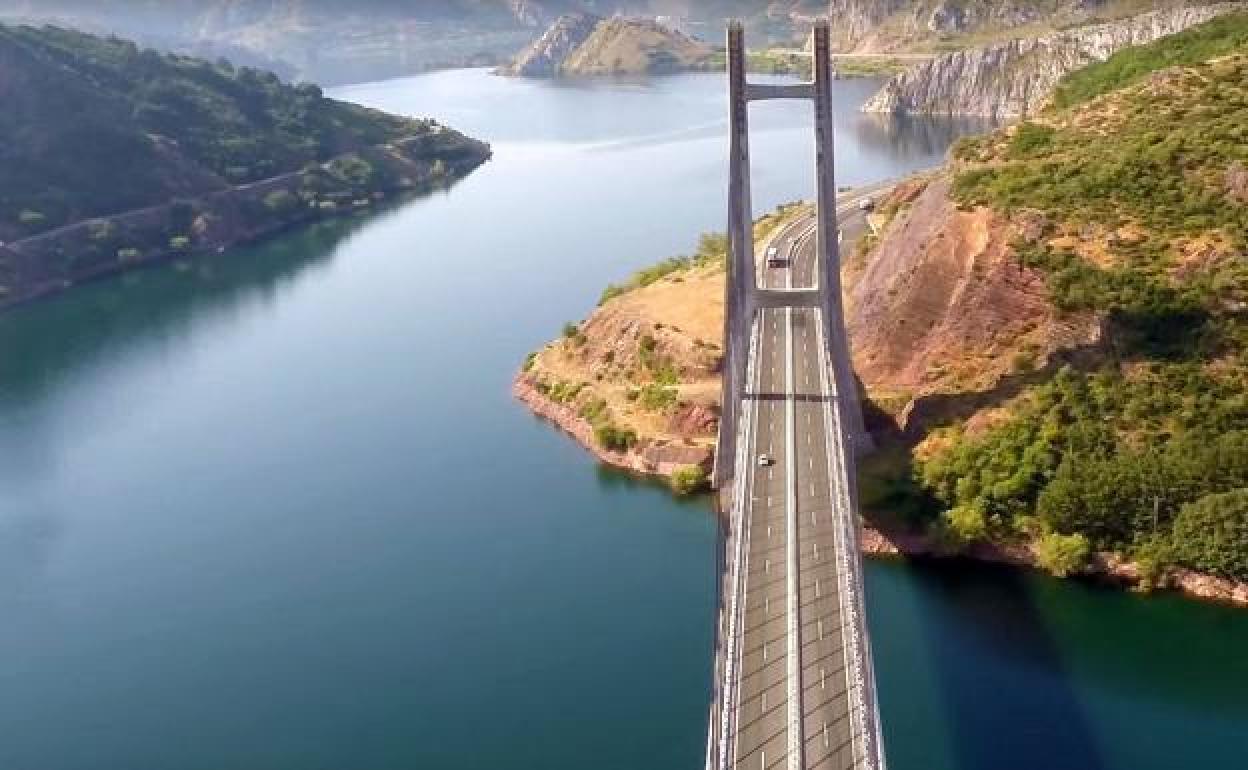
(740, 279)
(828, 244)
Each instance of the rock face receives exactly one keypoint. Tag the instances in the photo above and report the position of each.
(943, 306)
(883, 26)
(1015, 78)
(546, 56)
(584, 44)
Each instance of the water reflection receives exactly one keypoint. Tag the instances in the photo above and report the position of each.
(907, 136)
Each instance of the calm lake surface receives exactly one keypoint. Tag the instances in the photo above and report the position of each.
(276, 509)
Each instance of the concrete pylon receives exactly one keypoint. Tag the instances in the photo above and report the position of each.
(739, 268)
(742, 295)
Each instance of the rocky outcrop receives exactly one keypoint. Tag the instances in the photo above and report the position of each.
(546, 56)
(884, 26)
(650, 457)
(583, 44)
(1017, 77)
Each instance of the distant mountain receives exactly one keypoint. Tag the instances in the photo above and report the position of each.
(338, 41)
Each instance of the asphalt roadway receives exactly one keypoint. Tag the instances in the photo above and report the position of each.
(794, 682)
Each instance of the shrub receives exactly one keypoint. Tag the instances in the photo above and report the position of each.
(657, 398)
(617, 439)
(281, 202)
(965, 524)
(570, 330)
(690, 479)
(1211, 535)
(1062, 555)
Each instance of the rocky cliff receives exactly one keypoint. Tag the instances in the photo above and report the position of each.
(583, 44)
(545, 57)
(1016, 77)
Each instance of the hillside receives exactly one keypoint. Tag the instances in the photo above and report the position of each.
(586, 45)
(99, 128)
(1129, 213)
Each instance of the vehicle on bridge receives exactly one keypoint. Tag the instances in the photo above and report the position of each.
(774, 259)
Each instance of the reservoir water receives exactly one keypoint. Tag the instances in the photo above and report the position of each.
(276, 509)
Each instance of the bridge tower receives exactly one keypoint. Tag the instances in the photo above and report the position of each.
(743, 297)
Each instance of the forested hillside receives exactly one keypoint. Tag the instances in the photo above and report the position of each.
(96, 126)
(1131, 203)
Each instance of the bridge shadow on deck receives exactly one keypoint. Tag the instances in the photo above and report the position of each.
(805, 398)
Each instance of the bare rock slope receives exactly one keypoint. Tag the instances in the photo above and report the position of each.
(1017, 77)
(584, 44)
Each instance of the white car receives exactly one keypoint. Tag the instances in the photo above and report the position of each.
(764, 460)
(866, 204)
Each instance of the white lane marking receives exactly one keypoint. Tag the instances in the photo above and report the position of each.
(794, 658)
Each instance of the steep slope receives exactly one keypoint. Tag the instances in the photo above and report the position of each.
(1016, 77)
(632, 46)
(583, 44)
(546, 56)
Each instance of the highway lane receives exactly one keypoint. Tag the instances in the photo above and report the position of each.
(792, 703)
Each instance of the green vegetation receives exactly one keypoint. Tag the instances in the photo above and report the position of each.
(97, 126)
(1192, 46)
(1211, 535)
(612, 437)
(594, 411)
(711, 250)
(657, 398)
(1063, 555)
(690, 480)
(659, 367)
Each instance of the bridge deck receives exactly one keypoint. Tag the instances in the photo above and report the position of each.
(789, 698)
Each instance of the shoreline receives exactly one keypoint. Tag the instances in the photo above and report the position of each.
(1106, 568)
(224, 219)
